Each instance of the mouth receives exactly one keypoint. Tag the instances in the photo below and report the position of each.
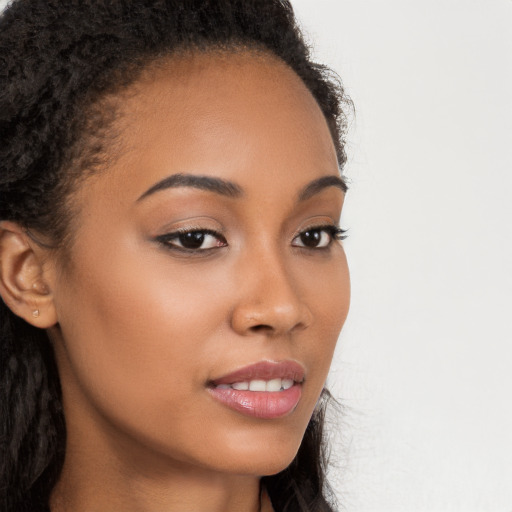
(265, 390)
(260, 385)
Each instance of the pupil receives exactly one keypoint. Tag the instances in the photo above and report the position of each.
(311, 238)
(192, 240)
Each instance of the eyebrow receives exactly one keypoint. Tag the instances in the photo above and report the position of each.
(230, 189)
(217, 185)
(320, 184)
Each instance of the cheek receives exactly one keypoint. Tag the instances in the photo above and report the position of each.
(135, 322)
(328, 293)
(138, 339)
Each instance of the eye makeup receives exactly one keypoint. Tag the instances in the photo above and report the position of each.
(203, 240)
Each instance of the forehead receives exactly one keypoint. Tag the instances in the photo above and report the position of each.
(235, 115)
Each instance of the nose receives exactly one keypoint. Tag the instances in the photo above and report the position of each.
(269, 301)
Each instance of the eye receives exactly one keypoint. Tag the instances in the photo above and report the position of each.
(318, 237)
(193, 240)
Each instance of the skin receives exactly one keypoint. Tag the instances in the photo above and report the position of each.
(141, 328)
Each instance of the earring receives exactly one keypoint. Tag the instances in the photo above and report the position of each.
(40, 287)
(35, 313)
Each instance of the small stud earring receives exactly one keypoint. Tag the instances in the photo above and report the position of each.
(35, 313)
(40, 287)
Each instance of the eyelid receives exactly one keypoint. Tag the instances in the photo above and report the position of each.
(331, 229)
(337, 231)
(165, 239)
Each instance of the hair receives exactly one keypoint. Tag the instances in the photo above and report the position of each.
(58, 60)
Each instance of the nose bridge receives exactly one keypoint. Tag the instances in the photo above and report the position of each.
(270, 298)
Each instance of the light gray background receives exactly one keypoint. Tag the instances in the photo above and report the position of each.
(425, 361)
(423, 368)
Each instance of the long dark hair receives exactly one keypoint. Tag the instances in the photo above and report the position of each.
(58, 59)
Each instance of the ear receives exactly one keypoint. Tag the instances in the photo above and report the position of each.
(24, 272)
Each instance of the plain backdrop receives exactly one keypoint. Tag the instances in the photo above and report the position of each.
(424, 366)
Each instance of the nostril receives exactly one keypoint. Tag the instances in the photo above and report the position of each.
(261, 328)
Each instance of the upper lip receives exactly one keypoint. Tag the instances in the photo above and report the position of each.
(264, 370)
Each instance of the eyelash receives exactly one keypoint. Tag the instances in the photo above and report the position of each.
(334, 232)
(166, 240)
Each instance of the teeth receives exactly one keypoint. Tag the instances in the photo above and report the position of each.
(287, 383)
(257, 385)
(260, 385)
(274, 385)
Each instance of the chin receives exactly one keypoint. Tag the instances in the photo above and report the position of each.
(263, 466)
(264, 456)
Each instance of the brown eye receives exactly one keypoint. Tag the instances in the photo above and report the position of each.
(317, 238)
(194, 240)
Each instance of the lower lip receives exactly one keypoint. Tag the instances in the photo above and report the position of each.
(260, 404)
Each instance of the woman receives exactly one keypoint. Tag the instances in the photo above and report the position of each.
(172, 282)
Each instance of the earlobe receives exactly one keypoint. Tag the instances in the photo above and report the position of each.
(23, 284)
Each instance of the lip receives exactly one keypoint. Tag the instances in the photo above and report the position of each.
(261, 404)
(264, 370)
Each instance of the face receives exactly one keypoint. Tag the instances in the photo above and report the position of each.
(205, 262)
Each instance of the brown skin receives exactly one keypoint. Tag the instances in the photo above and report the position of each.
(140, 329)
